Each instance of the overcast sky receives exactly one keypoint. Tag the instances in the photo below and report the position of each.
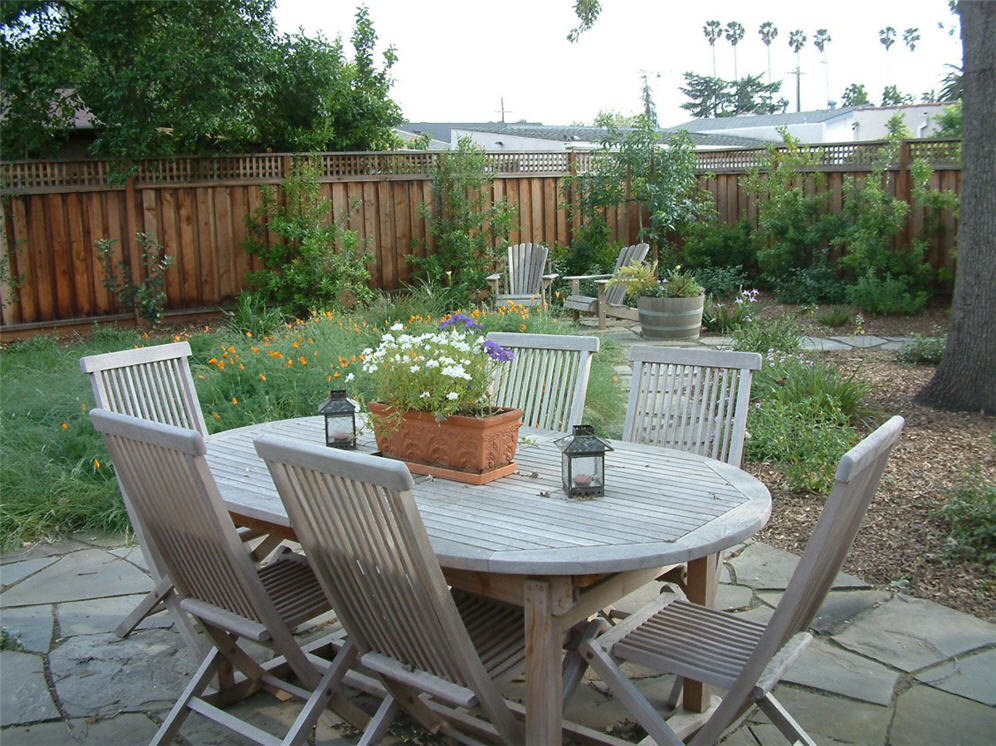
(458, 59)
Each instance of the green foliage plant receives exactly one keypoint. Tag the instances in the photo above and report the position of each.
(641, 279)
(314, 262)
(780, 334)
(469, 231)
(817, 283)
(709, 243)
(9, 640)
(148, 298)
(727, 316)
(922, 350)
(835, 316)
(721, 283)
(970, 516)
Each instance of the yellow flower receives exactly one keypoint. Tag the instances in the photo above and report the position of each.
(249, 334)
(262, 377)
(235, 400)
(83, 406)
(254, 349)
(96, 463)
(522, 327)
(216, 415)
(65, 425)
(303, 359)
(336, 374)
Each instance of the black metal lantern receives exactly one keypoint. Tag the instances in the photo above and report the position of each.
(583, 465)
(340, 420)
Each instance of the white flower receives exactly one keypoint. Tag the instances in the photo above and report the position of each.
(453, 396)
(397, 327)
(431, 363)
(415, 368)
(349, 377)
(425, 395)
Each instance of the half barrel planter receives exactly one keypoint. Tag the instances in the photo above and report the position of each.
(670, 318)
(476, 450)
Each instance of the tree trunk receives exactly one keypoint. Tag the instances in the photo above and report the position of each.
(966, 377)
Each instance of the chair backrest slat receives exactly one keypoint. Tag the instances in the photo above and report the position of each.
(153, 383)
(692, 400)
(547, 378)
(634, 254)
(526, 266)
(163, 471)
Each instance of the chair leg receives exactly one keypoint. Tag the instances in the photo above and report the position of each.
(574, 663)
(672, 698)
(328, 685)
(782, 720)
(265, 548)
(380, 722)
(198, 683)
(628, 694)
(153, 602)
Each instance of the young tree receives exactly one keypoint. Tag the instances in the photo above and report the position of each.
(966, 378)
(855, 95)
(797, 40)
(820, 40)
(892, 96)
(713, 30)
(768, 32)
(734, 33)
(708, 96)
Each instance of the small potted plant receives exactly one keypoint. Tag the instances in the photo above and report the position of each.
(670, 307)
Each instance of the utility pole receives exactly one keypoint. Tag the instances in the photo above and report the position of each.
(798, 86)
(503, 111)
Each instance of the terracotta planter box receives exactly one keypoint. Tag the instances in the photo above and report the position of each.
(468, 449)
(670, 318)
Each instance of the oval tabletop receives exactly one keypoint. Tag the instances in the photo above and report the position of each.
(660, 507)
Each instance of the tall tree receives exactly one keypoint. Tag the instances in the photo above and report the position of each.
(951, 84)
(797, 40)
(887, 37)
(855, 95)
(587, 12)
(734, 33)
(768, 32)
(966, 378)
(910, 37)
(750, 95)
(713, 30)
(892, 96)
(820, 40)
(714, 97)
(649, 109)
(707, 95)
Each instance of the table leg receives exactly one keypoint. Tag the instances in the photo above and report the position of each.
(544, 698)
(701, 588)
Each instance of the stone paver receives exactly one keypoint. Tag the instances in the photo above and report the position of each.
(817, 344)
(97, 615)
(24, 695)
(838, 609)
(925, 715)
(910, 633)
(764, 567)
(833, 717)
(971, 676)
(15, 572)
(88, 573)
(825, 667)
(123, 729)
(32, 625)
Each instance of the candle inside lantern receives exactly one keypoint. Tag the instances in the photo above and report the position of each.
(582, 480)
(341, 435)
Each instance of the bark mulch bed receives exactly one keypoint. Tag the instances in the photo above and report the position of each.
(902, 544)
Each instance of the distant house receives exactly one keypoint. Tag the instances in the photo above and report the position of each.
(849, 124)
(532, 136)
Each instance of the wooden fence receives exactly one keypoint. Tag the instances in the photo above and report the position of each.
(53, 212)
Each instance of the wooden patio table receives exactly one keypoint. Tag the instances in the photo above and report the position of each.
(520, 540)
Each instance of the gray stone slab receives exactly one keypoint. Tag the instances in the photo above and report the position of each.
(761, 615)
(819, 344)
(730, 597)
(102, 675)
(32, 625)
(764, 567)
(830, 669)
(861, 340)
(42, 549)
(123, 729)
(131, 554)
(101, 539)
(971, 676)
(89, 573)
(768, 735)
(838, 609)
(24, 695)
(97, 615)
(926, 715)
(910, 633)
(15, 572)
(824, 716)
(721, 342)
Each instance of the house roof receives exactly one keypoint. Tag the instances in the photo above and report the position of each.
(765, 120)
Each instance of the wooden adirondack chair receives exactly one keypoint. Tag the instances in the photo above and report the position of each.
(360, 527)
(166, 477)
(528, 279)
(745, 658)
(692, 400)
(547, 379)
(155, 384)
(610, 299)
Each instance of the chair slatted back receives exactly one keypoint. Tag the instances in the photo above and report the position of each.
(153, 383)
(614, 294)
(361, 530)
(692, 400)
(547, 379)
(163, 471)
(856, 481)
(526, 266)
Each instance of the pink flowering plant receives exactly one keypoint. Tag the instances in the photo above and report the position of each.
(445, 372)
(719, 316)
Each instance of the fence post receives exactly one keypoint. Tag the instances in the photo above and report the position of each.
(573, 218)
(131, 239)
(904, 190)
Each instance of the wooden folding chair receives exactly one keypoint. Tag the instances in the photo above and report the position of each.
(361, 530)
(176, 500)
(528, 281)
(609, 300)
(155, 383)
(547, 379)
(745, 658)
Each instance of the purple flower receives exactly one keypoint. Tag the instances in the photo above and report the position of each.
(468, 322)
(497, 352)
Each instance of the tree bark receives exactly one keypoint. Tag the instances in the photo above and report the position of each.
(966, 378)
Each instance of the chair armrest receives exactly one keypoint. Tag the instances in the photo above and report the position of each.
(586, 277)
(493, 278)
(551, 277)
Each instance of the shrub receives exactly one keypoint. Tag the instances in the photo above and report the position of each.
(252, 316)
(921, 349)
(721, 282)
(887, 295)
(731, 315)
(780, 334)
(970, 514)
(806, 285)
(712, 244)
(835, 316)
(148, 298)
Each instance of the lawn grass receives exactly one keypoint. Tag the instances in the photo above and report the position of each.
(55, 475)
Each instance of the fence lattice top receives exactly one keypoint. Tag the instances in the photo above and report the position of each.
(270, 168)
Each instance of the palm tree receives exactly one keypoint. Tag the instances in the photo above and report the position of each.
(820, 40)
(734, 33)
(887, 37)
(768, 33)
(713, 30)
(797, 39)
(911, 36)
